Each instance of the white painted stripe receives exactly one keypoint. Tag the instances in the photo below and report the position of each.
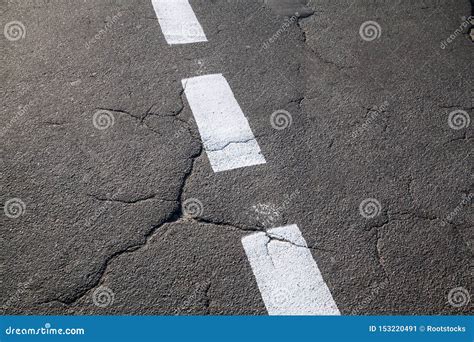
(287, 275)
(178, 22)
(225, 131)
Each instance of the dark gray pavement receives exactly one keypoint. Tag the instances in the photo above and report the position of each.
(104, 209)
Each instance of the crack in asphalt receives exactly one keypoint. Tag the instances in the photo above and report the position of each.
(228, 143)
(125, 201)
(174, 113)
(378, 252)
(177, 216)
(317, 54)
(463, 138)
(399, 217)
(174, 216)
(270, 236)
(311, 51)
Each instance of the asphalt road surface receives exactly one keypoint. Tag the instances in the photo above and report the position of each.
(317, 159)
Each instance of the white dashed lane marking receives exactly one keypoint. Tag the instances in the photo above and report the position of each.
(178, 22)
(287, 276)
(225, 131)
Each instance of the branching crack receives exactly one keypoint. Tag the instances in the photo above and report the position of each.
(175, 216)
